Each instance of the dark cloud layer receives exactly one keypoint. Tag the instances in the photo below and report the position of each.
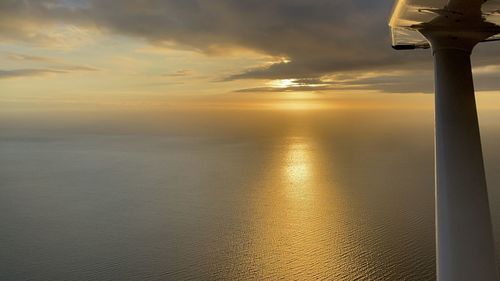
(319, 37)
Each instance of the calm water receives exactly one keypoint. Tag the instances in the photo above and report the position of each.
(336, 195)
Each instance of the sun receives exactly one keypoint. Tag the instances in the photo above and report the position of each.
(283, 83)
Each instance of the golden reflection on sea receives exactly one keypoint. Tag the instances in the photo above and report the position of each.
(298, 168)
(295, 235)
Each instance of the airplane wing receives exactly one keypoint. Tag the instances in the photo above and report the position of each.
(409, 16)
(465, 6)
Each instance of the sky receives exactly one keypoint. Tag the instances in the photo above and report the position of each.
(247, 53)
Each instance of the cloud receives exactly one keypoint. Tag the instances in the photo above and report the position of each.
(486, 79)
(293, 89)
(33, 72)
(24, 58)
(74, 68)
(179, 73)
(18, 73)
(320, 38)
(46, 65)
(352, 80)
(46, 23)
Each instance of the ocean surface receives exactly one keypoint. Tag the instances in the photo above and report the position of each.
(341, 194)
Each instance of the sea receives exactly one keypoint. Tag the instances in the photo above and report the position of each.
(227, 194)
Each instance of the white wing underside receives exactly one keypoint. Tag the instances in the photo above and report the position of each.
(408, 15)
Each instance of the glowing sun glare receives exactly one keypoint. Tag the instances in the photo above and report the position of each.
(283, 83)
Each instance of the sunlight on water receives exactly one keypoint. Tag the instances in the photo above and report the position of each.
(298, 166)
(303, 207)
(294, 237)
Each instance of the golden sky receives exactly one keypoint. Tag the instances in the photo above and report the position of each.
(284, 54)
